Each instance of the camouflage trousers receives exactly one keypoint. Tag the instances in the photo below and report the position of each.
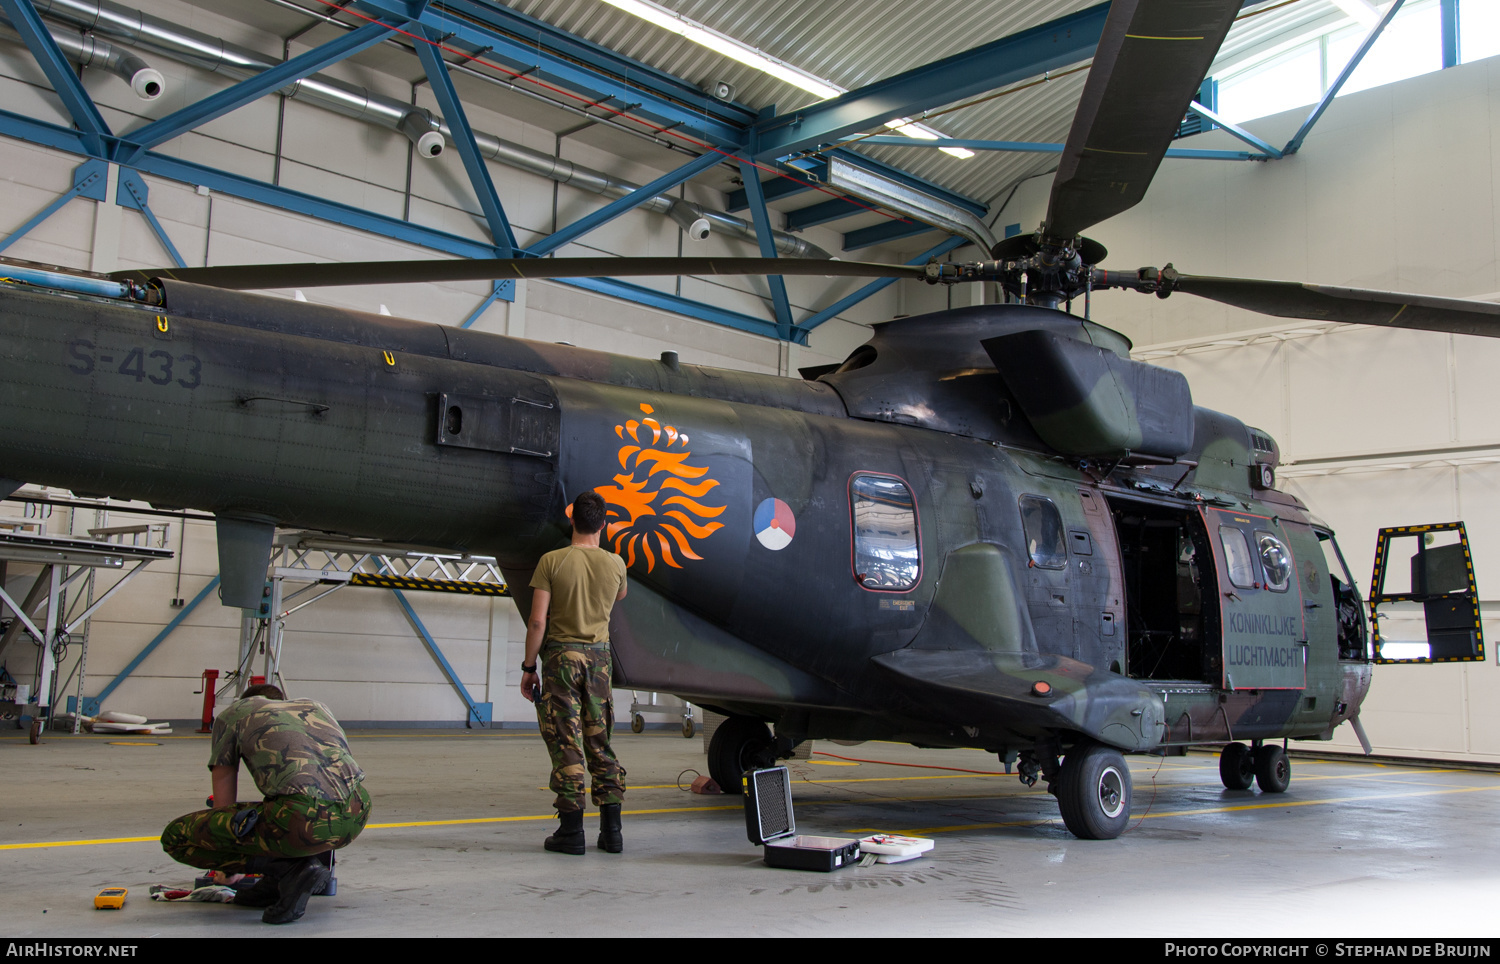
(577, 716)
(296, 825)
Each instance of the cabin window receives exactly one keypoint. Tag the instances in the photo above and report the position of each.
(886, 554)
(1045, 541)
(1237, 557)
(1275, 560)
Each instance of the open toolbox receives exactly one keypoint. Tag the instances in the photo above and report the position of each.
(769, 822)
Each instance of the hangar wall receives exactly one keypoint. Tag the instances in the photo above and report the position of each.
(1395, 188)
(356, 650)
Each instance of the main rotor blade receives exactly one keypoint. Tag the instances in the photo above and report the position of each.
(315, 275)
(1148, 67)
(1360, 306)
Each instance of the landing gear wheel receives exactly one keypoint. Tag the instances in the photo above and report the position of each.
(1236, 766)
(1093, 792)
(637, 723)
(1273, 771)
(36, 731)
(687, 728)
(739, 744)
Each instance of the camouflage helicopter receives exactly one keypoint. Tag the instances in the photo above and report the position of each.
(988, 527)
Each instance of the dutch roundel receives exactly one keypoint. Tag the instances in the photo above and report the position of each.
(774, 524)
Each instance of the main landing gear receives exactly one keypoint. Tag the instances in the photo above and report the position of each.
(739, 744)
(1265, 764)
(1093, 792)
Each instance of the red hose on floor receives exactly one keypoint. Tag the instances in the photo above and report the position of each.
(920, 766)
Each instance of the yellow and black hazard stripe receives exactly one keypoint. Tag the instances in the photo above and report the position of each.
(429, 585)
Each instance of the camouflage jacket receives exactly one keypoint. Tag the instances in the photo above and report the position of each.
(292, 746)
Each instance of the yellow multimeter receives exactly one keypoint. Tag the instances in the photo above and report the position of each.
(110, 898)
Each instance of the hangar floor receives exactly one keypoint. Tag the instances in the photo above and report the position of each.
(454, 849)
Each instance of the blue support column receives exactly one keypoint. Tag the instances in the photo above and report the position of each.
(761, 215)
(1448, 12)
(501, 291)
(180, 122)
(630, 201)
(845, 303)
(88, 182)
(1295, 143)
(463, 139)
(481, 713)
(133, 194)
(91, 704)
(59, 71)
(1049, 46)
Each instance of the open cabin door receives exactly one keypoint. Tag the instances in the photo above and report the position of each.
(1260, 602)
(1423, 599)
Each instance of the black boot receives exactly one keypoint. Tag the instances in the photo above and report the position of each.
(265, 890)
(610, 839)
(569, 836)
(305, 877)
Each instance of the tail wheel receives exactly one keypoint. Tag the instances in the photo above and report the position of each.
(1273, 771)
(1237, 766)
(739, 744)
(1093, 792)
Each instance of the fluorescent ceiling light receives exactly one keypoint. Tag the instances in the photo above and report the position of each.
(904, 125)
(751, 57)
(728, 46)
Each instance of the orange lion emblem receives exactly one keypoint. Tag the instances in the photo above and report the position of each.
(654, 508)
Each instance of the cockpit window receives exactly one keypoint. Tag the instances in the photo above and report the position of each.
(1045, 542)
(1237, 556)
(1275, 560)
(886, 552)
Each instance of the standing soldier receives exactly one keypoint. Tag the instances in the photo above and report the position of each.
(574, 590)
(314, 802)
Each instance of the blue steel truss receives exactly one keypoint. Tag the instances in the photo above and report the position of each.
(194, 115)
(88, 182)
(60, 74)
(761, 215)
(463, 139)
(608, 81)
(1059, 43)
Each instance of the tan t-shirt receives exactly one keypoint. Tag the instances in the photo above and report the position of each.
(583, 581)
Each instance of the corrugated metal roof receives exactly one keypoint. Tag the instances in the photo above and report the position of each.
(853, 43)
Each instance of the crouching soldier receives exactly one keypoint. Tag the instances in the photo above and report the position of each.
(314, 802)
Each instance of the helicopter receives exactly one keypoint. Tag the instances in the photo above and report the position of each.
(988, 527)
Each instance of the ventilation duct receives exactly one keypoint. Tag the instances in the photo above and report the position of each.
(89, 51)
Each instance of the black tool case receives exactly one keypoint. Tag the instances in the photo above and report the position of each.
(769, 822)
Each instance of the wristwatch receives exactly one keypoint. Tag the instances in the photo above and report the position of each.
(528, 669)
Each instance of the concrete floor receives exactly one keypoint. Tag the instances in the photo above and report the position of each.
(454, 849)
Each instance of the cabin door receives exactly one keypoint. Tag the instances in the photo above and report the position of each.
(1260, 602)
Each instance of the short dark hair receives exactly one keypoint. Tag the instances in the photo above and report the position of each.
(588, 513)
(269, 690)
